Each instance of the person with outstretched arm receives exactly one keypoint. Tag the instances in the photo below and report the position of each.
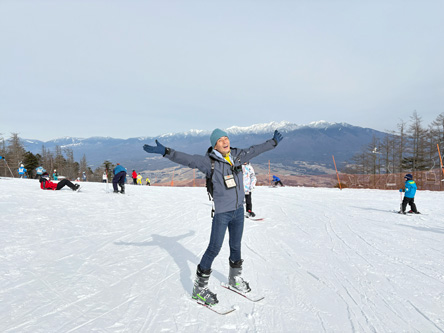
(224, 165)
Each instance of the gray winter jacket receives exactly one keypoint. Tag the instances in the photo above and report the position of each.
(225, 199)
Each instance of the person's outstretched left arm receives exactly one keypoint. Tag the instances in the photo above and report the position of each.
(246, 155)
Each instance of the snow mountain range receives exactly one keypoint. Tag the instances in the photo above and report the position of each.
(303, 147)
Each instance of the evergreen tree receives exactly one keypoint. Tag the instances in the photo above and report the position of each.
(31, 162)
(109, 167)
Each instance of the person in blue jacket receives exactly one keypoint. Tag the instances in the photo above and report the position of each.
(222, 164)
(409, 196)
(39, 171)
(119, 178)
(277, 180)
(21, 171)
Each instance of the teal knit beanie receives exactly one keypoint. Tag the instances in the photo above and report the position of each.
(216, 135)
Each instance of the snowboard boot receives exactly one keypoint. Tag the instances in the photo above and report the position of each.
(401, 212)
(235, 280)
(413, 212)
(122, 188)
(200, 290)
(76, 187)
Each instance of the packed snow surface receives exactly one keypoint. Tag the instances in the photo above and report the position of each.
(326, 261)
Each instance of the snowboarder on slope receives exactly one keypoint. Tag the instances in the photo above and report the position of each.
(249, 184)
(277, 180)
(409, 196)
(119, 178)
(224, 165)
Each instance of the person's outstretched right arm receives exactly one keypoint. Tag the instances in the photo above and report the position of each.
(203, 163)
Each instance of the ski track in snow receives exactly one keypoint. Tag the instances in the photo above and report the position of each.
(325, 260)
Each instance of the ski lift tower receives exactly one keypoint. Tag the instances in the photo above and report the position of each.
(378, 154)
(391, 181)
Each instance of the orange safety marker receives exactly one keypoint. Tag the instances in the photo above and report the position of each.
(440, 158)
(337, 174)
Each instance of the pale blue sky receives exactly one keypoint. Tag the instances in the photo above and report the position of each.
(143, 68)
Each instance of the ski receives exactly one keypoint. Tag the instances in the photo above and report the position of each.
(217, 308)
(254, 218)
(250, 296)
(397, 212)
(408, 213)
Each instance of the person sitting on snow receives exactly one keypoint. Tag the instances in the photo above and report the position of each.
(47, 184)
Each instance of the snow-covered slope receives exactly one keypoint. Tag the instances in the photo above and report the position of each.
(326, 260)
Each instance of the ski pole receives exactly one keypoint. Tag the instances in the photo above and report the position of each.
(400, 206)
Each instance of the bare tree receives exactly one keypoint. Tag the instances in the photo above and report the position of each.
(418, 145)
(47, 160)
(71, 168)
(15, 152)
(59, 161)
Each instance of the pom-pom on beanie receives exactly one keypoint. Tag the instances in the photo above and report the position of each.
(216, 135)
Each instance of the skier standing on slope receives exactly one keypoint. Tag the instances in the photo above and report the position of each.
(119, 178)
(39, 172)
(249, 184)
(21, 171)
(134, 175)
(409, 196)
(223, 165)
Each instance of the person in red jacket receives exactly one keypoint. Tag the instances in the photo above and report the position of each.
(47, 184)
(134, 175)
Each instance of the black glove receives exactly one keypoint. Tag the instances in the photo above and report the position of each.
(277, 136)
(159, 149)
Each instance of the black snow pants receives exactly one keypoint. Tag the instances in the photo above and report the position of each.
(65, 182)
(411, 202)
